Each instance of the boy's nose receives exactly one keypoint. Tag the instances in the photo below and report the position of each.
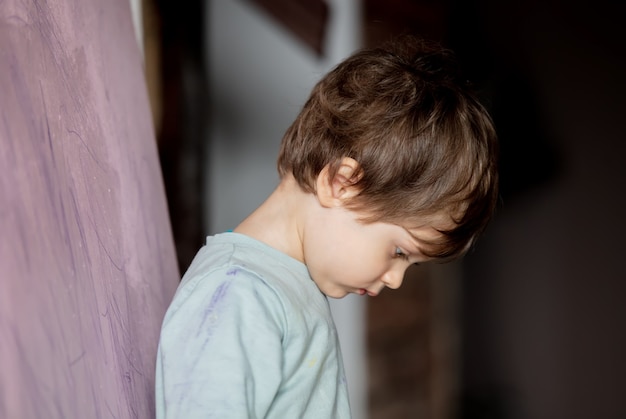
(393, 279)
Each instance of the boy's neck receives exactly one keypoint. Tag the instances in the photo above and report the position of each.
(280, 221)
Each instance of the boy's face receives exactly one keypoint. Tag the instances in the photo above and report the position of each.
(346, 256)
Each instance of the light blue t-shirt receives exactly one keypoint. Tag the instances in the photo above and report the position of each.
(249, 335)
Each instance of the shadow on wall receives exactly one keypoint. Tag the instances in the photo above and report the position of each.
(87, 261)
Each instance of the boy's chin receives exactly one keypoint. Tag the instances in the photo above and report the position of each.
(340, 293)
(335, 293)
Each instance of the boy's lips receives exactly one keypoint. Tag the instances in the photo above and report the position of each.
(363, 291)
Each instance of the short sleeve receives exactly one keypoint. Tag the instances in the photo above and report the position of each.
(220, 351)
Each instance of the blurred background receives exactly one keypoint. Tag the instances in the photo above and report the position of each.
(531, 323)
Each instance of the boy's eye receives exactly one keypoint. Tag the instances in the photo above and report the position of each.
(400, 254)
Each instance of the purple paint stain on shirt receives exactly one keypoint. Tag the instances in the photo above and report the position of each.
(232, 272)
(211, 311)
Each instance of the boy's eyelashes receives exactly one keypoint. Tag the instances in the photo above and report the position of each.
(399, 253)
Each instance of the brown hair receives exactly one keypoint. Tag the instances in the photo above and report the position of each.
(424, 143)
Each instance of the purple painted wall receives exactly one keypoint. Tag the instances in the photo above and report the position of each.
(87, 262)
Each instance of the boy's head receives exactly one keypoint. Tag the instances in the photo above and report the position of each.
(424, 144)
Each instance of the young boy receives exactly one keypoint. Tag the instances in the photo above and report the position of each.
(391, 162)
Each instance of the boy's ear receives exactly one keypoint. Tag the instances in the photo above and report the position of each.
(333, 192)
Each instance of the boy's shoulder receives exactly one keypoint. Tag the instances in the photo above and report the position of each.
(236, 262)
